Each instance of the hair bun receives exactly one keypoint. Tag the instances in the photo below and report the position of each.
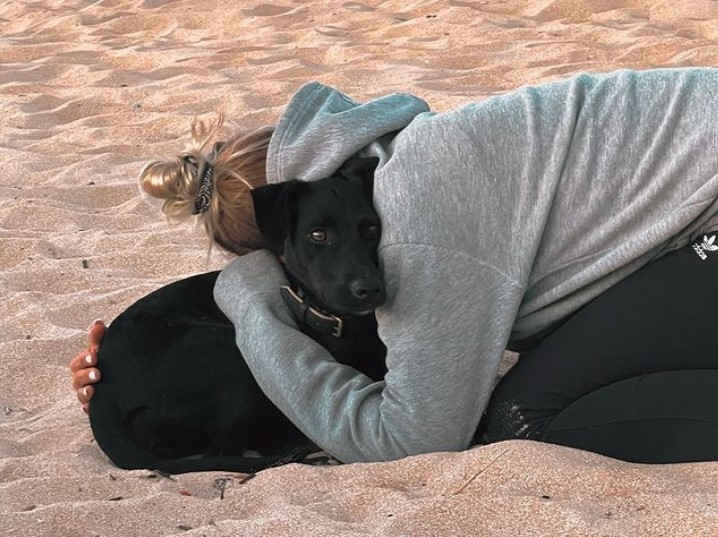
(213, 185)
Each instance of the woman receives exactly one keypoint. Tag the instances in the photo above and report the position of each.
(573, 222)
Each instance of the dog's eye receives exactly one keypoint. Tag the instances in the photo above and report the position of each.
(318, 235)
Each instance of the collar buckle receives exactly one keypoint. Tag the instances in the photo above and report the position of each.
(309, 315)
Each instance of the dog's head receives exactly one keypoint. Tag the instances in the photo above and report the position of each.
(326, 233)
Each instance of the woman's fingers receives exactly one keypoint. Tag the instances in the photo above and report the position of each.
(82, 382)
(97, 332)
(82, 366)
(84, 395)
(85, 378)
(86, 358)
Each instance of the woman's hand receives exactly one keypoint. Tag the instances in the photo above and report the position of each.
(83, 366)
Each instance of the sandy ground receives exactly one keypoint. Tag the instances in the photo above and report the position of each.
(89, 90)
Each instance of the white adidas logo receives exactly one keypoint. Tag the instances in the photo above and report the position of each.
(708, 245)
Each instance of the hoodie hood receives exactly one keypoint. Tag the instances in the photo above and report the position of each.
(321, 128)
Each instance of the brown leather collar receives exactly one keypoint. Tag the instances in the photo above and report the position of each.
(323, 323)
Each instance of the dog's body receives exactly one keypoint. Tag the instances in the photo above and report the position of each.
(176, 394)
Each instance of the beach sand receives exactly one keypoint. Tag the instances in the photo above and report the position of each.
(90, 90)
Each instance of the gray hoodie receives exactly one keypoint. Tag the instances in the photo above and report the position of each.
(500, 219)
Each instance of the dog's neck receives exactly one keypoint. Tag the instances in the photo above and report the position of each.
(315, 318)
(305, 296)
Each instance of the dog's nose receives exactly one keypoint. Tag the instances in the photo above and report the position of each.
(366, 288)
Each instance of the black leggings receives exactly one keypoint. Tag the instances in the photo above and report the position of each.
(632, 375)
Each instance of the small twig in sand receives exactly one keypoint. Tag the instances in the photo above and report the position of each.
(221, 484)
(463, 487)
(246, 478)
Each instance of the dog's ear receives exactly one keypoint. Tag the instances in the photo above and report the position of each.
(359, 167)
(272, 212)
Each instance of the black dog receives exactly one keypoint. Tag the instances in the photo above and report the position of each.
(176, 394)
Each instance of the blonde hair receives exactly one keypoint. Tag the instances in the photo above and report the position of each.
(238, 166)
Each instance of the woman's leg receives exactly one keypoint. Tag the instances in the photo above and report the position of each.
(632, 375)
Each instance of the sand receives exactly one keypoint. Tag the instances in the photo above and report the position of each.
(90, 90)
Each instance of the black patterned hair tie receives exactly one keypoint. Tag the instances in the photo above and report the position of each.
(204, 196)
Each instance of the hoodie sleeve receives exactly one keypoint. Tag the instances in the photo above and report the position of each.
(435, 392)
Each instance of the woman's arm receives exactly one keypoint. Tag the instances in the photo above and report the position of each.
(445, 338)
(83, 366)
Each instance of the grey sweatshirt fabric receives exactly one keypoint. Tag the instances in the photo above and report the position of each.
(500, 218)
